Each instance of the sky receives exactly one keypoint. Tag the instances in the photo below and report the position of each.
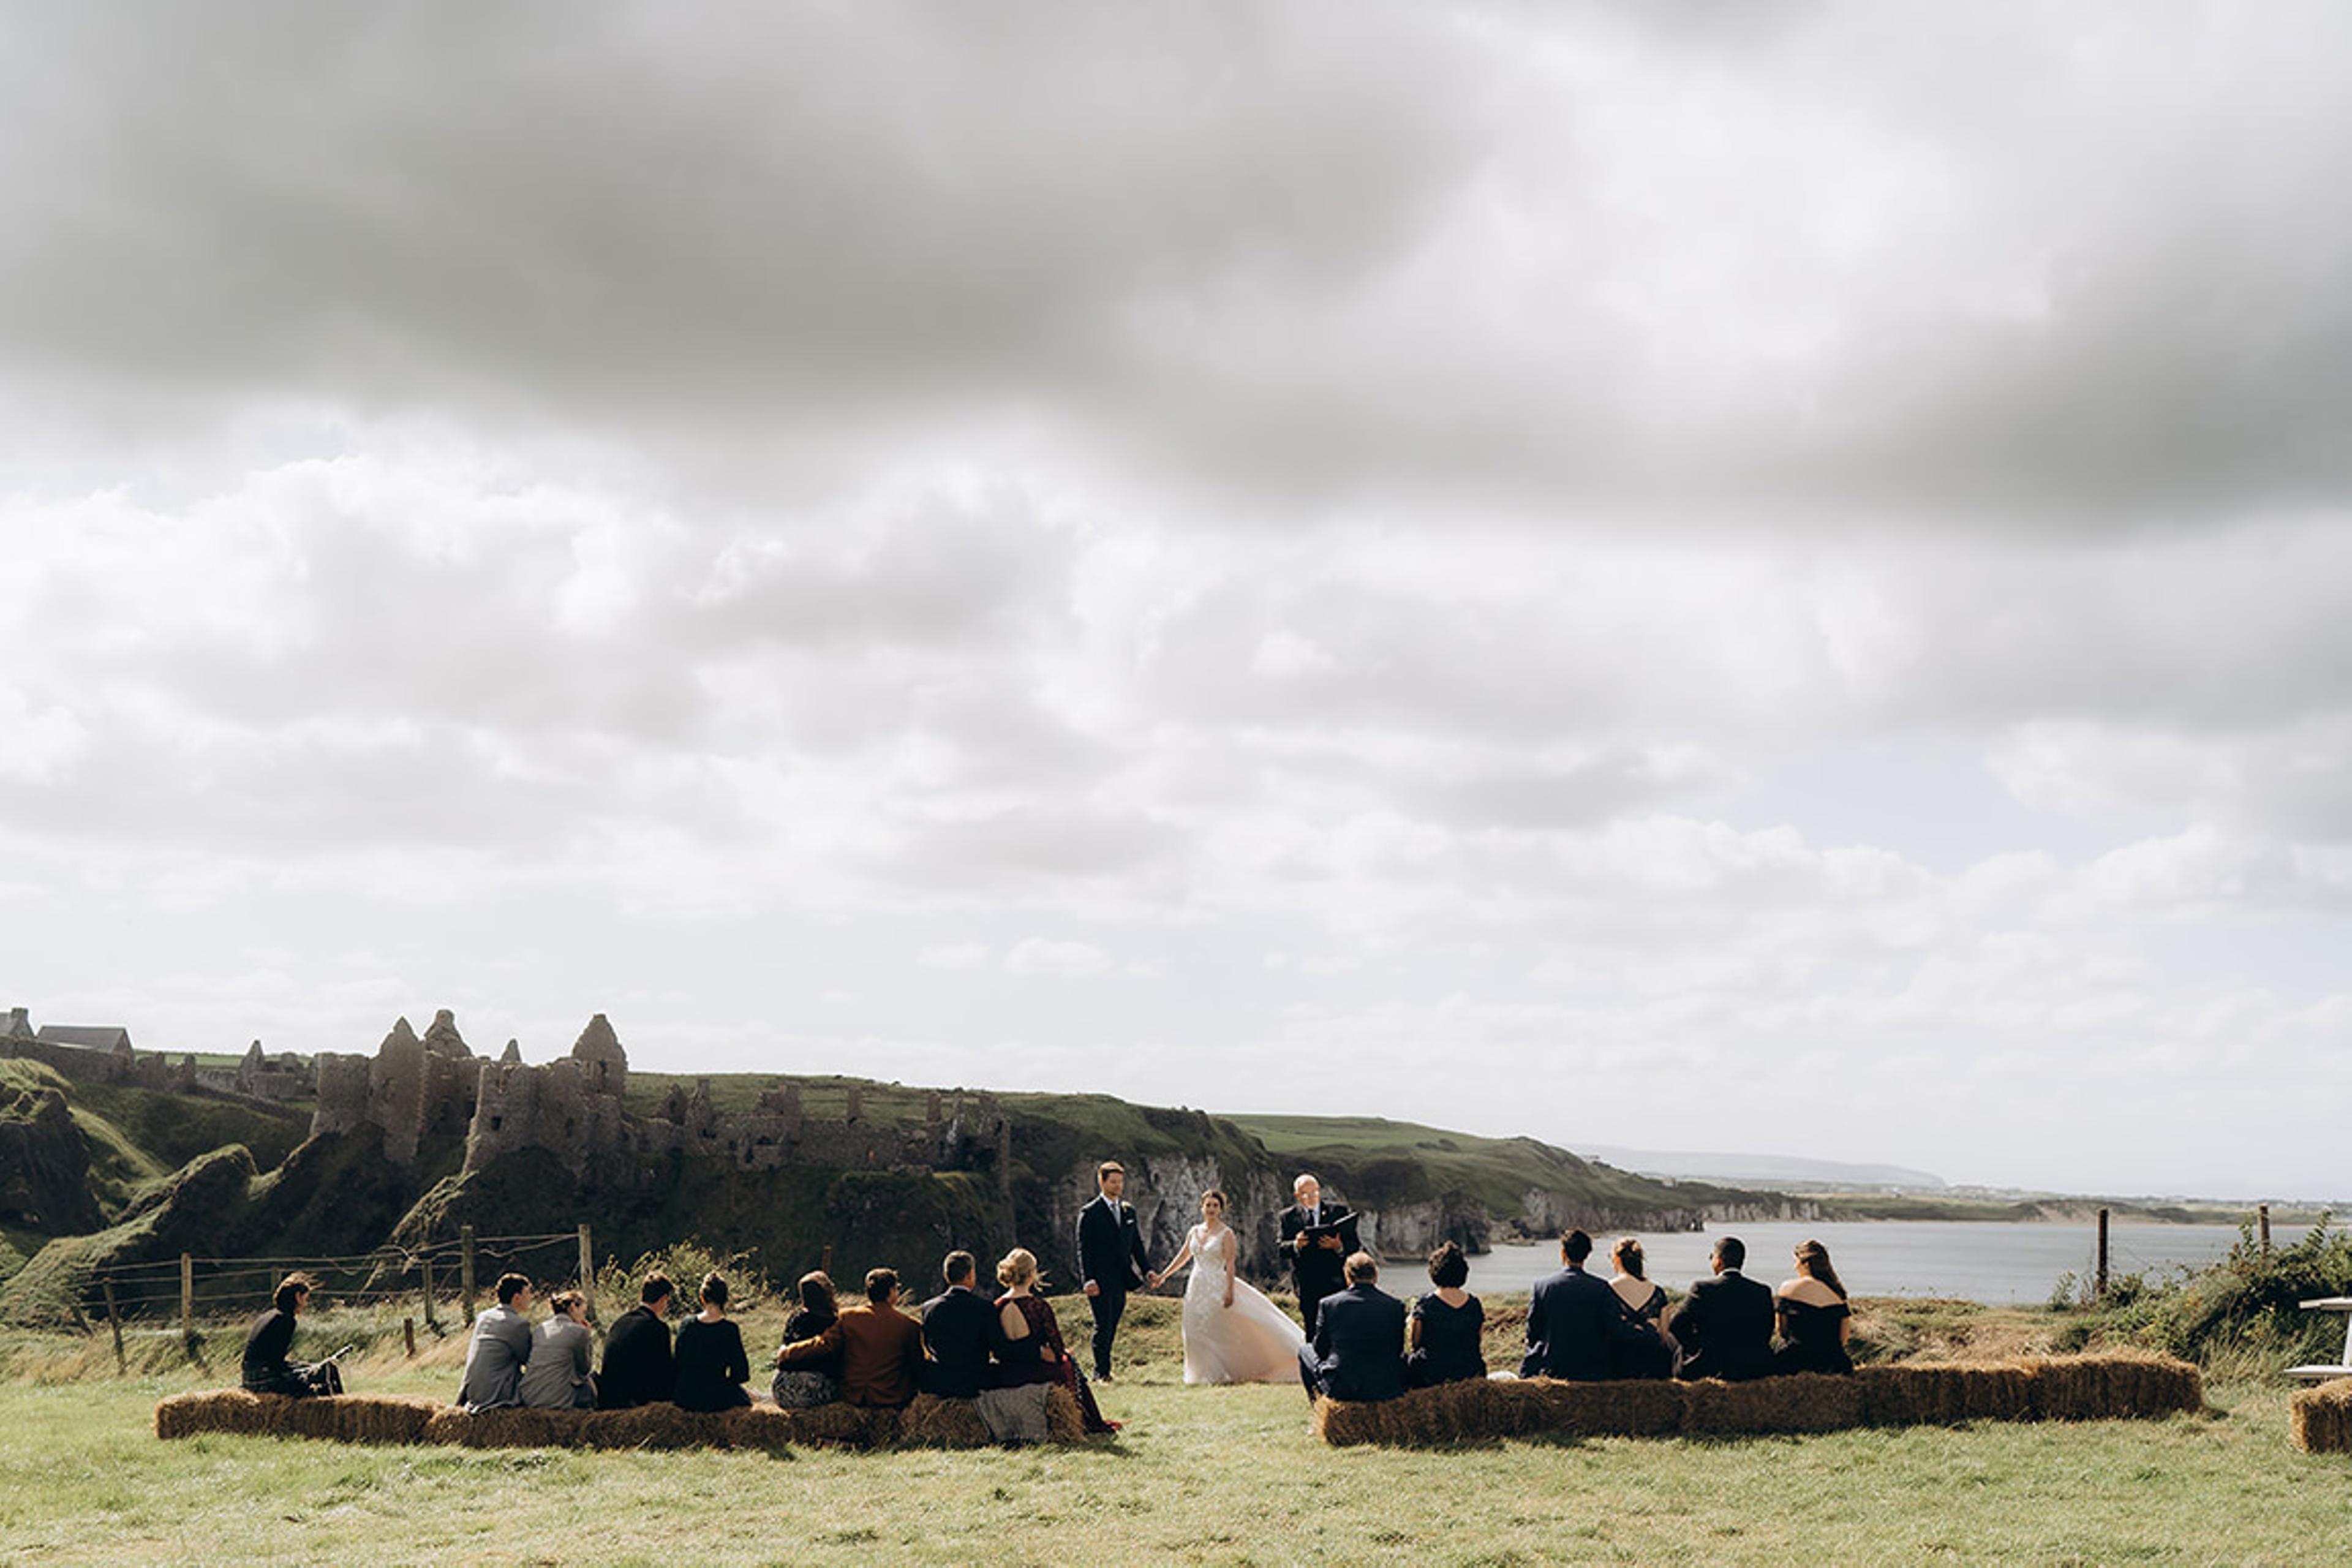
(1761, 576)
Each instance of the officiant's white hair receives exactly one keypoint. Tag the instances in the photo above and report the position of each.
(1300, 1184)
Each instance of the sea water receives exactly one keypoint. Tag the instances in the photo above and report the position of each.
(1973, 1261)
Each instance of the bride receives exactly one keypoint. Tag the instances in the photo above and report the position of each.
(1231, 1332)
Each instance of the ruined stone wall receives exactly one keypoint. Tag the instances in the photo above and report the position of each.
(79, 1064)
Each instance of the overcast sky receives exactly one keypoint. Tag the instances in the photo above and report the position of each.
(1740, 576)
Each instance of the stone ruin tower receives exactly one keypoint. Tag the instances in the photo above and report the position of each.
(572, 1107)
(411, 1088)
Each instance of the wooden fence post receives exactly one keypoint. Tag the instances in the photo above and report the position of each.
(588, 1270)
(408, 1333)
(2263, 1219)
(114, 1321)
(2099, 1275)
(426, 1265)
(188, 1299)
(827, 1266)
(466, 1269)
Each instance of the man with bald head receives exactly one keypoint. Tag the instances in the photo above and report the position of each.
(1318, 1235)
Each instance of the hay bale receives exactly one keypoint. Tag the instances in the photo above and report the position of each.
(842, 1425)
(762, 1427)
(649, 1428)
(2113, 1386)
(452, 1426)
(1799, 1401)
(1065, 1422)
(931, 1422)
(1482, 1409)
(230, 1410)
(2321, 1417)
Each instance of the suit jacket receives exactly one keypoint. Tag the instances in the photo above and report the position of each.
(961, 1334)
(1577, 1326)
(639, 1369)
(1724, 1327)
(881, 1354)
(494, 1358)
(1318, 1270)
(1360, 1345)
(559, 1364)
(1110, 1247)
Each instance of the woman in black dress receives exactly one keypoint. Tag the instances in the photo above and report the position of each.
(711, 1366)
(267, 1370)
(1814, 1317)
(1443, 1332)
(812, 1377)
(1645, 1304)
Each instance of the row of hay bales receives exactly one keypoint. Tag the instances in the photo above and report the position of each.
(2039, 1388)
(2322, 1417)
(929, 1423)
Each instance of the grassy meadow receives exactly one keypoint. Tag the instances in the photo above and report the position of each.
(1218, 1476)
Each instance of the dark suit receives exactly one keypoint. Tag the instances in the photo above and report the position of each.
(1724, 1327)
(1110, 1254)
(1358, 1352)
(1577, 1328)
(639, 1369)
(1317, 1271)
(961, 1335)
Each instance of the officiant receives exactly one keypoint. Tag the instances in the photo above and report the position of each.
(1319, 1237)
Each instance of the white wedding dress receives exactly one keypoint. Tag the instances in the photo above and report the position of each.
(1249, 1342)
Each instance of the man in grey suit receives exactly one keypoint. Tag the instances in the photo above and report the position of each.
(499, 1350)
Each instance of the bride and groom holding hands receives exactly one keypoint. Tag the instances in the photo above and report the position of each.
(1233, 1333)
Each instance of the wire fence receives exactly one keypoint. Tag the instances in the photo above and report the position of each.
(461, 1271)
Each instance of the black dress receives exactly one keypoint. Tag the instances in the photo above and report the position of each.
(711, 1366)
(1654, 1355)
(1812, 1343)
(1449, 1350)
(266, 1369)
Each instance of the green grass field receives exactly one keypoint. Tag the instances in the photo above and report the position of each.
(1207, 1475)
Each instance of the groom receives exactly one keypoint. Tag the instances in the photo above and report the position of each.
(1110, 1257)
(1316, 1260)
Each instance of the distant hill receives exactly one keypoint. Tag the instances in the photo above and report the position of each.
(1783, 1171)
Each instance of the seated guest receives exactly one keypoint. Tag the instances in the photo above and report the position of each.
(813, 1377)
(1032, 1350)
(1725, 1325)
(1358, 1350)
(1577, 1327)
(637, 1365)
(881, 1347)
(711, 1365)
(267, 1370)
(1814, 1317)
(557, 1376)
(499, 1350)
(1446, 1322)
(961, 1334)
(1645, 1305)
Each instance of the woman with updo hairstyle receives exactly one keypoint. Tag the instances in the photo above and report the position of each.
(1814, 1318)
(1653, 1355)
(711, 1365)
(808, 1365)
(1033, 1350)
(1443, 1331)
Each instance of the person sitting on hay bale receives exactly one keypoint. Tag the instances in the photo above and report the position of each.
(1578, 1331)
(1358, 1350)
(1645, 1303)
(267, 1370)
(961, 1334)
(499, 1350)
(1813, 1316)
(1445, 1325)
(1034, 1351)
(557, 1377)
(1725, 1325)
(881, 1347)
(711, 1365)
(638, 1367)
(808, 1375)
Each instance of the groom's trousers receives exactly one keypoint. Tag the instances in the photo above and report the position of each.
(1108, 1305)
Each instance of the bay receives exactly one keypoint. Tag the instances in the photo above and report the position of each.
(1974, 1260)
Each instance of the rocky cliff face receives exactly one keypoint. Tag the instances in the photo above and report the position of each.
(45, 1166)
